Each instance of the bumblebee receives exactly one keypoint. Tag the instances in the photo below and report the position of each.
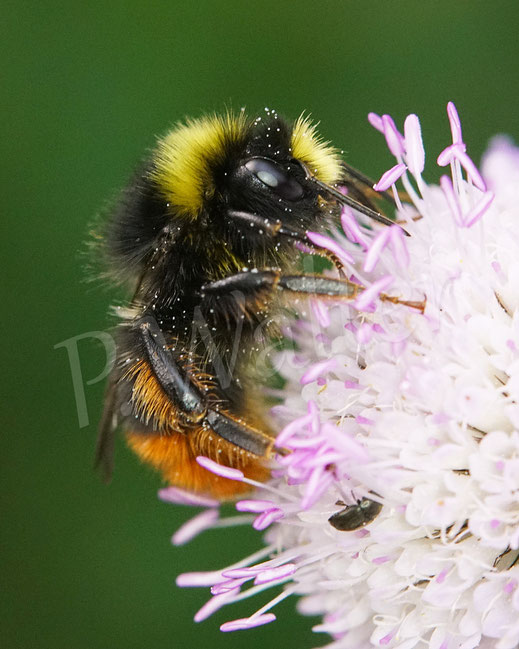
(207, 237)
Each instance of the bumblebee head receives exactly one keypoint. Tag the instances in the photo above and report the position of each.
(209, 169)
(265, 166)
(205, 174)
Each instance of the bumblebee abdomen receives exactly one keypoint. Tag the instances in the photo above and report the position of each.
(174, 455)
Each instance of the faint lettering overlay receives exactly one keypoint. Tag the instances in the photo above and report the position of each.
(71, 345)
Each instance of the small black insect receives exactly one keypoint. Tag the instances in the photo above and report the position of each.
(353, 517)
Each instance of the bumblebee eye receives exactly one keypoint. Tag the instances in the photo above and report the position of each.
(274, 176)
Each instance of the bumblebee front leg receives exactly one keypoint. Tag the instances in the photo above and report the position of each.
(180, 388)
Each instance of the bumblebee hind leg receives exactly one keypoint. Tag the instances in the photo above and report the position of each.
(191, 424)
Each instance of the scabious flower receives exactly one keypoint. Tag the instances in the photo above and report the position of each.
(409, 397)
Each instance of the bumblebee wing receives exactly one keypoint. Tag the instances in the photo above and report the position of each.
(104, 454)
(360, 187)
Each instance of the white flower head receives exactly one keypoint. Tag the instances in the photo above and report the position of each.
(404, 409)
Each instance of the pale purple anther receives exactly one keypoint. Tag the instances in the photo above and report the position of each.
(197, 579)
(229, 585)
(327, 243)
(364, 421)
(219, 469)
(386, 639)
(399, 246)
(352, 229)
(266, 519)
(366, 300)
(471, 169)
(452, 198)
(320, 310)
(394, 139)
(415, 153)
(454, 121)
(318, 369)
(247, 572)
(291, 429)
(474, 214)
(390, 177)
(255, 506)
(364, 333)
(215, 603)
(275, 574)
(317, 484)
(248, 622)
(375, 250)
(457, 151)
(193, 527)
(347, 445)
(376, 121)
(324, 458)
(180, 497)
(449, 154)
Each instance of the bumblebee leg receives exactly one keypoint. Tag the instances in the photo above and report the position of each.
(278, 229)
(177, 386)
(255, 284)
(320, 286)
(254, 288)
(189, 399)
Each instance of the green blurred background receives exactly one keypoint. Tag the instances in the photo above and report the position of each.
(86, 87)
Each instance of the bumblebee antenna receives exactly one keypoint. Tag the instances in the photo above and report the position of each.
(351, 202)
